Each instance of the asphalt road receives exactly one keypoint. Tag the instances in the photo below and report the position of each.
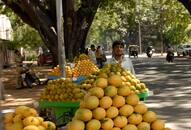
(171, 83)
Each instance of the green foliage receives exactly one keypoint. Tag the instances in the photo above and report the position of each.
(77, 4)
(26, 36)
(116, 19)
(23, 34)
(112, 21)
(31, 58)
(177, 34)
(176, 21)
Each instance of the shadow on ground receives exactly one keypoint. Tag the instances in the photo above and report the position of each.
(173, 80)
(26, 96)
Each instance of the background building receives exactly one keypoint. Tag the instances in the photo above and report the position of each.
(5, 36)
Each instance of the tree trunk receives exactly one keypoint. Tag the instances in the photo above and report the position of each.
(77, 25)
(35, 17)
(76, 22)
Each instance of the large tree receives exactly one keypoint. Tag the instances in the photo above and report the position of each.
(41, 15)
(160, 20)
(187, 4)
(78, 17)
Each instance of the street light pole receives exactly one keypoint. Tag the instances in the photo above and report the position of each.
(139, 26)
(60, 35)
(140, 44)
(161, 30)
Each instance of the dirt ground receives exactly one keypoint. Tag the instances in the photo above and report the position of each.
(26, 96)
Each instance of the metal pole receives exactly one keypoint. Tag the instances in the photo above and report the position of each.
(139, 26)
(161, 37)
(60, 34)
(161, 29)
(140, 45)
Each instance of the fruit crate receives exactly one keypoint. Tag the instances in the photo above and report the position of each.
(63, 111)
(54, 77)
(143, 96)
(79, 79)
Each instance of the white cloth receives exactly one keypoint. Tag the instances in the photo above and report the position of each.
(126, 63)
(92, 56)
(40, 51)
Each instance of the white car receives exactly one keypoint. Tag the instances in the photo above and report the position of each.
(184, 49)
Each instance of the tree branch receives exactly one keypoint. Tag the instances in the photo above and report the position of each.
(19, 11)
(187, 4)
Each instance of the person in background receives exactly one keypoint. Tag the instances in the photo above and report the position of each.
(99, 55)
(18, 62)
(91, 54)
(119, 57)
(170, 54)
(40, 51)
(86, 51)
(22, 51)
(40, 56)
(149, 51)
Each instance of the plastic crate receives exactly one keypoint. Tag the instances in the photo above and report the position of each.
(54, 77)
(60, 109)
(79, 79)
(143, 96)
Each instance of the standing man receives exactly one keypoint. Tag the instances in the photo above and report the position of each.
(18, 62)
(170, 54)
(40, 56)
(118, 56)
(99, 55)
(92, 54)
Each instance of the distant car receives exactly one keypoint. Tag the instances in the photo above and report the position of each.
(180, 51)
(187, 49)
(184, 49)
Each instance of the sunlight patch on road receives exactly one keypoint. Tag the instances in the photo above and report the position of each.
(183, 65)
(153, 105)
(176, 71)
(183, 123)
(185, 105)
(17, 102)
(8, 95)
(4, 79)
(7, 110)
(24, 99)
(172, 126)
(160, 105)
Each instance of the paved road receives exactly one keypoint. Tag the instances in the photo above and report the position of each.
(173, 102)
